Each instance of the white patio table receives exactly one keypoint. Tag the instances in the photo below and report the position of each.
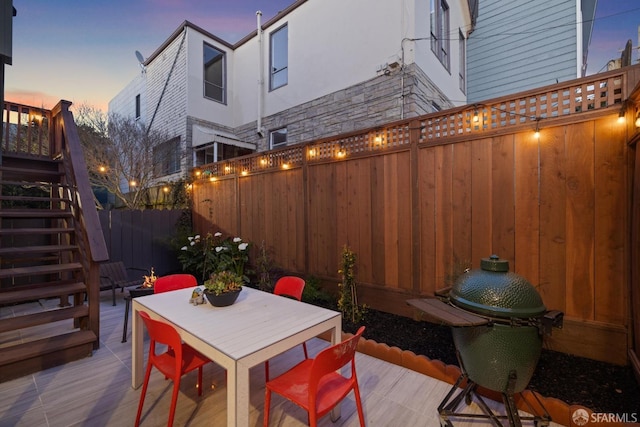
(257, 327)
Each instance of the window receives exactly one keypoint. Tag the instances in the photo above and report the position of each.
(137, 106)
(166, 157)
(462, 61)
(218, 151)
(440, 30)
(278, 137)
(278, 64)
(214, 74)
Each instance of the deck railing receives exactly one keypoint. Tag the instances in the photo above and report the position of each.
(25, 130)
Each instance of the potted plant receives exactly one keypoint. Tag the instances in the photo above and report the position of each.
(222, 289)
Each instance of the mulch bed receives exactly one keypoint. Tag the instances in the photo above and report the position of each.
(600, 386)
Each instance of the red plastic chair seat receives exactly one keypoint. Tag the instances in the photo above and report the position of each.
(315, 385)
(178, 360)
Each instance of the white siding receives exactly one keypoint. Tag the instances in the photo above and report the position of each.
(124, 103)
(333, 44)
(197, 105)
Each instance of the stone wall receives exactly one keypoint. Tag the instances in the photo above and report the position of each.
(369, 104)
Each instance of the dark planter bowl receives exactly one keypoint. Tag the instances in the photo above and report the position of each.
(224, 299)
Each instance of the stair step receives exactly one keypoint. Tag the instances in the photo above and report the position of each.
(35, 213)
(44, 317)
(19, 171)
(22, 231)
(39, 269)
(26, 250)
(31, 183)
(45, 290)
(34, 199)
(22, 359)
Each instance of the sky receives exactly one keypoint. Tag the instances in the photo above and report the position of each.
(83, 51)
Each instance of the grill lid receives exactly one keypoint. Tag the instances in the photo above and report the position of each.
(494, 291)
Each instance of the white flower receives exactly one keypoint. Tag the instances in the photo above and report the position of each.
(190, 238)
(237, 239)
(197, 237)
(219, 248)
(193, 243)
(243, 246)
(184, 248)
(218, 234)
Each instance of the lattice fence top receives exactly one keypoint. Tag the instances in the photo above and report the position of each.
(503, 114)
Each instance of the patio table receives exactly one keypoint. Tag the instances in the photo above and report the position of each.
(257, 327)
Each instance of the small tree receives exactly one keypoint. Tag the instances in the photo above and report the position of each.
(123, 157)
(348, 297)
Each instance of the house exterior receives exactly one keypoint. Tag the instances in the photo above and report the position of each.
(520, 45)
(319, 68)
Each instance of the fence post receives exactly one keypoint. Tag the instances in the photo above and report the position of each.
(414, 137)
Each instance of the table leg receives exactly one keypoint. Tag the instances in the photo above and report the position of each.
(336, 337)
(127, 303)
(137, 353)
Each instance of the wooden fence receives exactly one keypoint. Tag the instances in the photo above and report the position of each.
(141, 238)
(416, 204)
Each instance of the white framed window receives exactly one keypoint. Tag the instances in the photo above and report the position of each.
(439, 20)
(462, 61)
(214, 74)
(278, 137)
(218, 151)
(279, 58)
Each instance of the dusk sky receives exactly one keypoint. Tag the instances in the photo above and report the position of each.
(84, 51)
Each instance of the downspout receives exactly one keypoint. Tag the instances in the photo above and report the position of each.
(259, 130)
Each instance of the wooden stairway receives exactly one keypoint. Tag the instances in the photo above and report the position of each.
(44, 257)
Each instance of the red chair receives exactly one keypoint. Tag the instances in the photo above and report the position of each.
(288, 286)
(177, 360)
(168, 283)
(314, 384)
(174, 282)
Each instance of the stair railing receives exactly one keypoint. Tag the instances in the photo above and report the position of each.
(65, 145)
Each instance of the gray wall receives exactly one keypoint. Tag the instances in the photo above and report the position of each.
(140, 238)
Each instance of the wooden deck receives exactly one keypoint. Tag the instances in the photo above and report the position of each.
(97, 391)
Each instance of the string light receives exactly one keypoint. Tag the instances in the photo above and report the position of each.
(341, 153)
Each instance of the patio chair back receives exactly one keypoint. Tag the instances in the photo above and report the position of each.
(288, 286)
(173, 282)
(314, 384)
